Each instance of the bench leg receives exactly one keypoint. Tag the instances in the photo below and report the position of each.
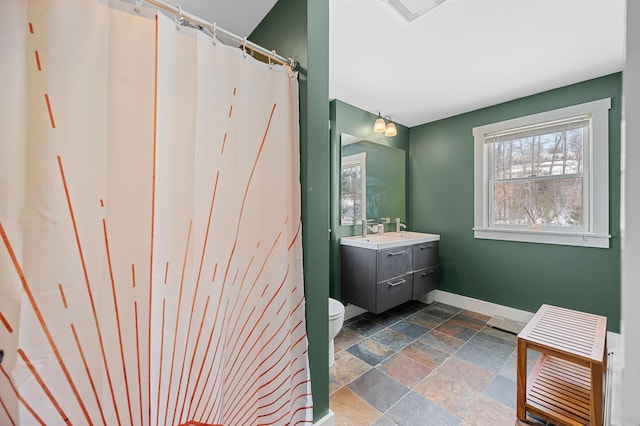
(596, 394)
(522, 380)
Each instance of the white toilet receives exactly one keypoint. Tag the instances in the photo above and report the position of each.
(336, 318)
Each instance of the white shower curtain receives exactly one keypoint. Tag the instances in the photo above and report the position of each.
(151, 257)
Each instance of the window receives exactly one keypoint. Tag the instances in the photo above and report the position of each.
(544, 178)
(353, 192)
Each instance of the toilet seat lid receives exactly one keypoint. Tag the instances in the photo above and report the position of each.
(335, 308)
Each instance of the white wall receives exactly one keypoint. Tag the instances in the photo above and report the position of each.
(631, 220)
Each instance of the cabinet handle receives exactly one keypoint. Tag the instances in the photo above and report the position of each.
(398, 283)
(426, 247)
(424, 274)
(396, 253)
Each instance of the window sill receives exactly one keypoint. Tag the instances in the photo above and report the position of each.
(544, 237)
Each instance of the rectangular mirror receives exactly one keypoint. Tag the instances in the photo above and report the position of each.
(372, 175)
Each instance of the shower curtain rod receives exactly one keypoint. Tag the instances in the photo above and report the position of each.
(215, 31)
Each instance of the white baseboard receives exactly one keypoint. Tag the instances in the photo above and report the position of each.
(327, 420)
(481, 306)
(614, 343)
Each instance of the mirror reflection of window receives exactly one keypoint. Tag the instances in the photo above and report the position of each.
(353, 192)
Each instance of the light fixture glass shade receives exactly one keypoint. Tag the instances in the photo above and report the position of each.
(379, 126)
(390, 129)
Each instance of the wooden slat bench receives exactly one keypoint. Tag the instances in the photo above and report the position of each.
(565, 385)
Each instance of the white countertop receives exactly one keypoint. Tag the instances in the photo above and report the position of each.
(388, 240)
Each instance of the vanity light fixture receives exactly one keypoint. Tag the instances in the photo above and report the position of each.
(379, 126)
(390, 131)
(385, 125)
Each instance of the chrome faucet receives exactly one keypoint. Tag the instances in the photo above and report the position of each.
(365, 227)
(400, 226)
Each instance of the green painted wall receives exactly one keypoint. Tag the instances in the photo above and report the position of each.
(519, 275)
(346, 118)
(300, 30)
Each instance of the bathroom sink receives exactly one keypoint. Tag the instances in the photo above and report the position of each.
(388, 240)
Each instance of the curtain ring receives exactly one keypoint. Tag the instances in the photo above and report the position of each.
(214, 33)
(137, 6)
(178, 17)
(244, 48)
(273, 52)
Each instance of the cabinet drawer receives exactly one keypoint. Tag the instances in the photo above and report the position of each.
(393, 292)
(425, 280)
(425, 255)
(394, 262)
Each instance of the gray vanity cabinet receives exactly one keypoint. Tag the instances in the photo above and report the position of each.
(378, 280)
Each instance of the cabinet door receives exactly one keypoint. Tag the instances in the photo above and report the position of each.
(394, 262)
(425, 255)
(393, 292)
(425, 280)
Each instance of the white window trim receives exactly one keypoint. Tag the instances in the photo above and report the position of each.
(597, 228)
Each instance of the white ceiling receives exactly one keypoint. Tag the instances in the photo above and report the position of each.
(461, 56)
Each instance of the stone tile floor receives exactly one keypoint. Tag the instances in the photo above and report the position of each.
(424, 365)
